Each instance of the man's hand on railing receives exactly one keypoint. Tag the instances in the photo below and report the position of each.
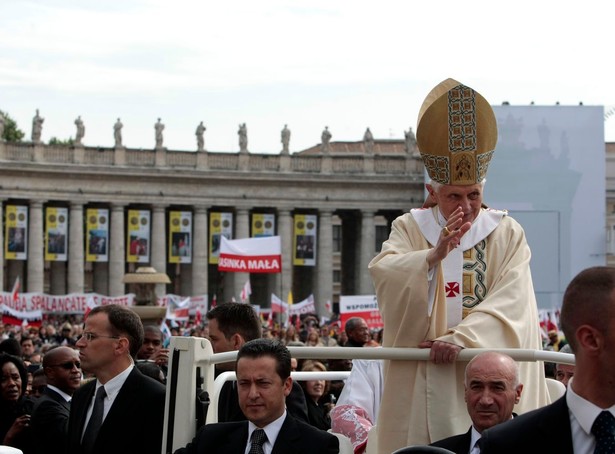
(441, 352)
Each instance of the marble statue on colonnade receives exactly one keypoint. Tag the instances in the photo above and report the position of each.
(200, 137)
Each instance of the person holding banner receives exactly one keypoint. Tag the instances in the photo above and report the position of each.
(450, 276)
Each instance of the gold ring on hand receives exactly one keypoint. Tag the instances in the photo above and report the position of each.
(446, 231)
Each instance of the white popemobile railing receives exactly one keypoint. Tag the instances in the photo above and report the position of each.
(192, 392)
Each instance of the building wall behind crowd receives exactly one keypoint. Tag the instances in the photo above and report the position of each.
(548, 171)
(137, 201)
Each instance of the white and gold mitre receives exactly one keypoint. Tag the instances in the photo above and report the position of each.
(456, 134)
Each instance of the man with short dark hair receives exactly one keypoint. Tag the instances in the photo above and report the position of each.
(263, 382)
(357, 331)
(582, 420)
(122, 410)
(231, 325)
(49, 421)
(152, 350)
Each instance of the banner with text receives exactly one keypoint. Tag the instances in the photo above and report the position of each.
(180, 237)
(220, 225)
(304, 240)
(16, 233)
(78, 302)
(56, 234)
(263, 224)
(251, 255)
(97, 235)
(364, 306)
(138, 236)
(306, 306)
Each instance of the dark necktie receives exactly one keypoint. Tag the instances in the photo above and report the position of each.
(604, 431)
(91, 431)
(258, 439)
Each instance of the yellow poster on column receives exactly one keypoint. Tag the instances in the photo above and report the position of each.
(263, 224)
(180, 237)
(56, 229)
(304, 240)
(97, 235)
(16, 232)
(138, 236)
(219, 224)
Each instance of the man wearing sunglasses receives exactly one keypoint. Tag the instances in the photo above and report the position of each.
(122, 410)
(49, 419)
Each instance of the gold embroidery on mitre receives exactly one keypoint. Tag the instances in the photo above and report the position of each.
(456, 134)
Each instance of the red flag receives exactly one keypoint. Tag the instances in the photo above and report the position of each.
(198, 318)
(16, 288)
(213, 301)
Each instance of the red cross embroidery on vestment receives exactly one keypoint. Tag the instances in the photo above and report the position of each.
(452, 289)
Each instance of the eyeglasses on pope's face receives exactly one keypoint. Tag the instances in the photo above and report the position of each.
(89, 337)
(68, 365)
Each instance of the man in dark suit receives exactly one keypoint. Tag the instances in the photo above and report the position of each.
(49, 420)
(571, 423)
(230, 326)
(492, 389)
(263, 382)
(129, 409)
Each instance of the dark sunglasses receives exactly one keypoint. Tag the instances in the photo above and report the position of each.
(68, 365)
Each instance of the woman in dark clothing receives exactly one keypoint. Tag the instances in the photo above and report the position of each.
(314, 390)
(15, 407)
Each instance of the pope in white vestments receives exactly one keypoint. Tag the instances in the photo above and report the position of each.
(453, 275)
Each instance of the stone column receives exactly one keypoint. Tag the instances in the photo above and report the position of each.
(36, 276)
(285, 230)
(242, 230)
(75, 249)
(367, 252)
(117, 251)
(159, 251)
(324, 261)
(199, 251)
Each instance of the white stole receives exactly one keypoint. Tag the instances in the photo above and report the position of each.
(452, 265)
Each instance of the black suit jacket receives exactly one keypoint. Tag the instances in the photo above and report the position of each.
(229, 409)
(544, 430)
(135, 420)
(459, 444)
(295, 437)
(49, 423)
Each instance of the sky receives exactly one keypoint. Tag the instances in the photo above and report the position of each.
(348, 65)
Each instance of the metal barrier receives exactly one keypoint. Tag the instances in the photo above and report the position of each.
(192, 392)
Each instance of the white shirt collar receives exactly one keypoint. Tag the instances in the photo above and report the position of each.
(272, 430)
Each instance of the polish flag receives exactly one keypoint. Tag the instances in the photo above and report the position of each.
(246, 291)
(16, 288)
(89, 305)
(213, 301)
(251, 255)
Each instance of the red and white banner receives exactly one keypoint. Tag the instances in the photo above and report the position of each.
(251, 255)
(364, 306)
(178, 309)
(306, 306)
(82, 303)
(18, 318)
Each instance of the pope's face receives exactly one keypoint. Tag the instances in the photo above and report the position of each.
(450, 196)
(261, 391)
